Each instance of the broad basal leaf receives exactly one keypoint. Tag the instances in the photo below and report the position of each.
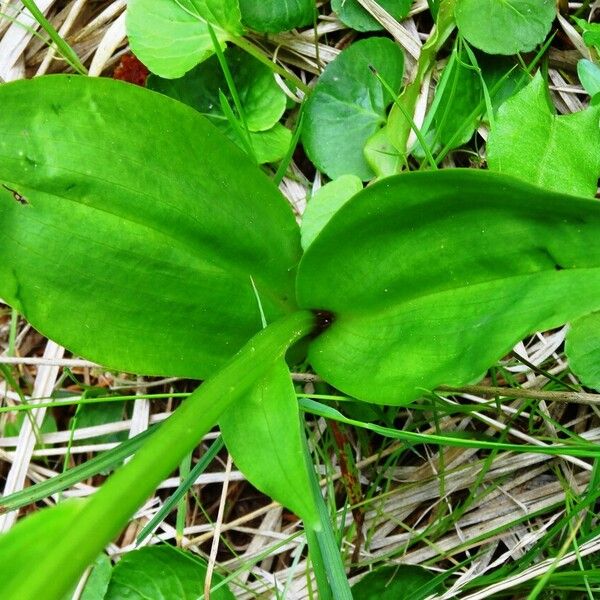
(162, 573)
(505, 26)
(531, 142)
(432, 277)
(348, 106)
(172, 36)
(273, 16)
(589, 75)
(132, 230)
(354, 15)
(263, 433)
(583, 349)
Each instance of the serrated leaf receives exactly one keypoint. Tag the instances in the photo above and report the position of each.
(449, 271)
(263, 433)
(354, 15)
(172, 36)
(348, 105)
(162, 573)
(561, 153)
(505, 26)
(274, 16)
(138, 244)
(583, 349)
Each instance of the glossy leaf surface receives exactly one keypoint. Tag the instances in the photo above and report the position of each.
(348, 106)
(561, 153)
(354, 15)
(505, 26)
(263, 433)
(432, 277)
(589, 75)
(98, 579)
(273, 16)
(172, 36)
(136, 245)
(583, 349)
(162, 573)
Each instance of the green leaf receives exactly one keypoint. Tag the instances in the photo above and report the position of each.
(268, 146)
(162, 573)
(263, 101)
(264, 435)
(354, 15)
(348, 106)
(273, 16)
(325, 202)
(172, 36)
(591, 32)
(138, 245)
(589, 75)
(583, 349)
(433, 276)
(561, 153)
(505, 26)
(98, 580)
(29, 543)
(392, 583)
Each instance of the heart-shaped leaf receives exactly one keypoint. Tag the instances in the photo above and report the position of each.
(138, 247)
(161, 573)
(348, 106)
(432, 277)
(263, 433)
(273, 16)
(172, 36)
(354, 15)
(505, 26)
(583, 349)
(561, 153)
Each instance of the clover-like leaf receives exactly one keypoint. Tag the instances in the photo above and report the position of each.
(505, 26)
(432, 277)
(348, 106)
(561, 153)
(136, 246)
(172, 36)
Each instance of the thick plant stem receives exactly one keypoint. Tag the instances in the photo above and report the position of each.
(107, 511)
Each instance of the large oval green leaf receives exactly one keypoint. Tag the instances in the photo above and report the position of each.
(354, 15)
(172, 36)
(143, 230)
(505, 26)
(348, 106)
(434, 276)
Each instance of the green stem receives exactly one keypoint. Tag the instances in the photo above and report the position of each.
(108, 510)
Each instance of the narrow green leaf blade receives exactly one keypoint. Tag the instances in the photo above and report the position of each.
(447, 271)
(172, 36)
(263, 434)
(138, 244)
(583, 349)
(561, 153)
(162, 573)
